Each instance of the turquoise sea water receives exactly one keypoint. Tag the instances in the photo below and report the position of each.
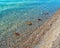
(14, 16)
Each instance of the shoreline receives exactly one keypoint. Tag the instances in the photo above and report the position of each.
(40, 32)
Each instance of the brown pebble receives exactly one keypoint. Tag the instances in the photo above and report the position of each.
(17, 34)
(29, 23)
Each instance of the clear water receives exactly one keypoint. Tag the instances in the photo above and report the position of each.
(13, 16)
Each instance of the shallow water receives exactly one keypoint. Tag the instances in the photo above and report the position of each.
(14, 17)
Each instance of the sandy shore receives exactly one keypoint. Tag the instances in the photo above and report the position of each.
(44, 35)
(51, 37)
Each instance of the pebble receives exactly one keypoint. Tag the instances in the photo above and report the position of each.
(17, 34)
(39, 20)
(29, 23)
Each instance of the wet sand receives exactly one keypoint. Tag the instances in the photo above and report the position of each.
(50, 38)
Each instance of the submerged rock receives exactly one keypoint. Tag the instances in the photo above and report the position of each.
(17, 34)
(29, 23)
(39, 19)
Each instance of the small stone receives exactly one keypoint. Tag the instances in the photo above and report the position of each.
(39, 20)
(17, 34)
(29, 23)
(37, 35)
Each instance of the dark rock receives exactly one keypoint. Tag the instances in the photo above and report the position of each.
(39, 20)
